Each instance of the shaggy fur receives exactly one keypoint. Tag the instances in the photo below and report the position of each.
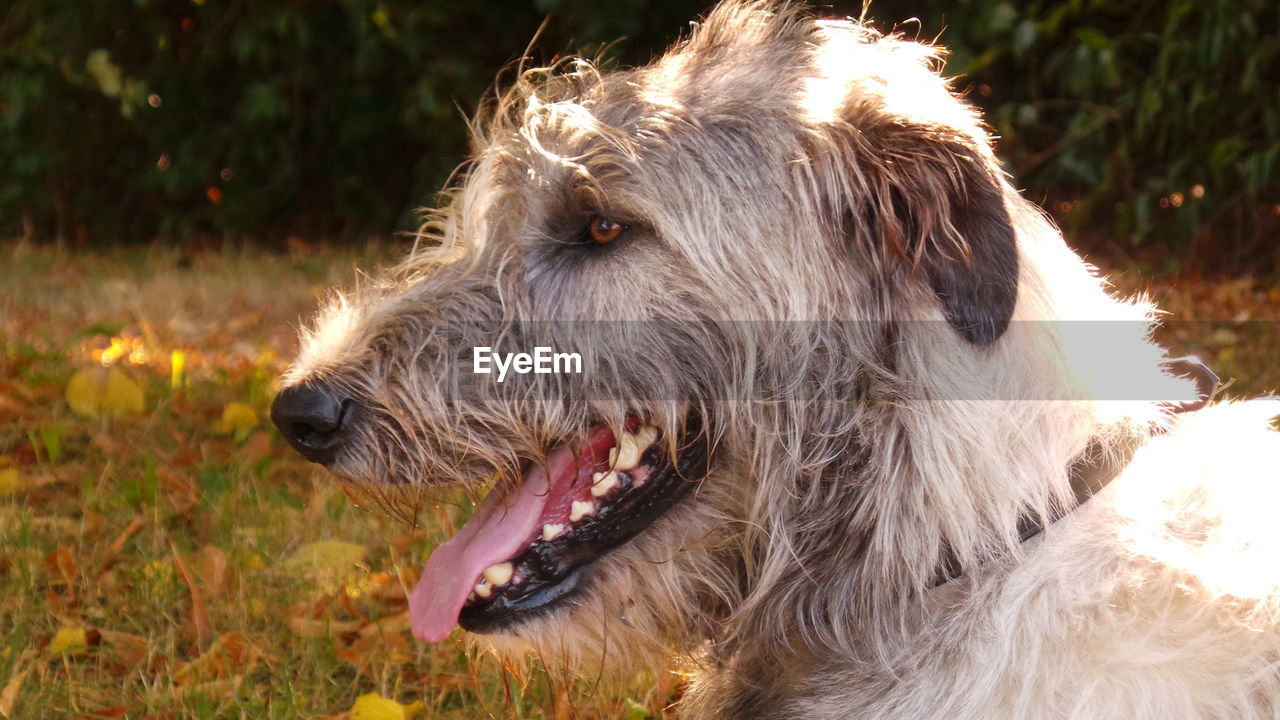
(895, 358)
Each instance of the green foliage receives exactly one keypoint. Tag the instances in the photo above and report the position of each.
(127, 119)
(1156, 120)
(124, 119)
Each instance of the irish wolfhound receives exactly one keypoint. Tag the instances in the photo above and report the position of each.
(854, 434)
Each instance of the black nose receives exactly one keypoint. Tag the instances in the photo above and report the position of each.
(312, 418)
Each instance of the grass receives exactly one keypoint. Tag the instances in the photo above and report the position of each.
(164, 563)
(173, 558)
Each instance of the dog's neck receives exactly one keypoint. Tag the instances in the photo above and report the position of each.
(1101, 463)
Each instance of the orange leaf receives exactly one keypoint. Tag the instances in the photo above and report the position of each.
(231, 654)
(125, 648)
(213, 569)
(62, 562)
(199, 614)
(9, 695)
(390, 625)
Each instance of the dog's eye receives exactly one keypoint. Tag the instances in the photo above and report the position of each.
(604, 230)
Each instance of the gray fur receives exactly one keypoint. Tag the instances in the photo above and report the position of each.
(780, 170)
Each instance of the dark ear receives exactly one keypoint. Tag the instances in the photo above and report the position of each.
(948, 213)
(978, 292)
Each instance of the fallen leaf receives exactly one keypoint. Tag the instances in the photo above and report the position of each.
(69, 641)
(96, 392)
(326, 554)
(10, 482)
(62, 563)
(212, 688)
(9, 695)
(160, 576)
(237, 416)
(199, 614)
(373, 706)
(330, 563)
(255, 448)
(125, 648)
(230, 654)
(390, 625)
(212, 568)
(387, 650)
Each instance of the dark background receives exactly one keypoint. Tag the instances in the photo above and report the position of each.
(1147, 126)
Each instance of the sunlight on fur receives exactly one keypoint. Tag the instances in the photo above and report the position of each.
(894, 363)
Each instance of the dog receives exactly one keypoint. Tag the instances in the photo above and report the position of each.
(851, 432)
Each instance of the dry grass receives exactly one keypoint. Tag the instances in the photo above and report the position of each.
(162, 563)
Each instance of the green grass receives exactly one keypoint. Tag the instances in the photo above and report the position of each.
(108, 511)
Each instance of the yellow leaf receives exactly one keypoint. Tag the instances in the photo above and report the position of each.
(161, 577)
(95, 392)
(177, 369)
(237, 416)
(373, 706)
(10, 482)
(327, 555)
(330, 563)
(69, 641)
(123, 394)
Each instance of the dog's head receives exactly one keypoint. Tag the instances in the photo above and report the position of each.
(731, 240)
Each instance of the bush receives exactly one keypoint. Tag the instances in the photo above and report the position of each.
(1155, 121)
(127, 119)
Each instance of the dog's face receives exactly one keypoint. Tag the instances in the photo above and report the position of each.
(676, 226)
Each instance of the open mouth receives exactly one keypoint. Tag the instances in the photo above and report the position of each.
(525, 552)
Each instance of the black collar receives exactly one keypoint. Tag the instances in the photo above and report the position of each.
(1096, 467)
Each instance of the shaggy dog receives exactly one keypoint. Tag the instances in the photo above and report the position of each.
(851, 433)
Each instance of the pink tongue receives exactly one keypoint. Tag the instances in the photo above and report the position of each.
(499, 528)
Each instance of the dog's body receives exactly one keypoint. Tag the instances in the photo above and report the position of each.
(1156, 599)
(865, 365)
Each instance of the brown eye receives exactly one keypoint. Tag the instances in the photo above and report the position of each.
(603, 230)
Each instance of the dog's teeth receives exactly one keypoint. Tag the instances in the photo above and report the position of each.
(604, 482)
(647, 436)
(580, 509)
(631, 446)
(484, 589)
(627, 454)
(551, 531)
(499, 574)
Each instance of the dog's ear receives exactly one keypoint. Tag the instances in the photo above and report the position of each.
(939, 205)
